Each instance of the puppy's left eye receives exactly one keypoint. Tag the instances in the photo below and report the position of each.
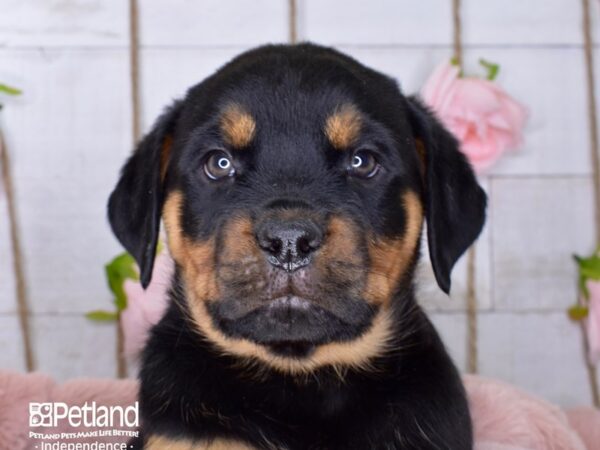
(219, 165)
(363, 164)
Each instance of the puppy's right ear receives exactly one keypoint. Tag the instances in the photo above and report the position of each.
(134, 207)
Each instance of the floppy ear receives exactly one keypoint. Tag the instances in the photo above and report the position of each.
(454, 203)
(134, 207)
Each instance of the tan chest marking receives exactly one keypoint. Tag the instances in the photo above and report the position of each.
(165, 443)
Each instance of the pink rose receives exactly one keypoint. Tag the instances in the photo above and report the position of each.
(145, 307)
(484, 118)
(592, 323)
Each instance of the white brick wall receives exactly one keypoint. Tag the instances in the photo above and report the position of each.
(71, 131)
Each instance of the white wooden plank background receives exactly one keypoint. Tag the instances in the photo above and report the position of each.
(213, 23)
(59, 23)
(538, 224)
(71, 131)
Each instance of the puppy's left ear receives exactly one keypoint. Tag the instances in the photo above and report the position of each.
(134, 207)
(455, 204)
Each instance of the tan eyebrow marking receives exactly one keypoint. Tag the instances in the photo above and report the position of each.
(238, 126)
(343, 126)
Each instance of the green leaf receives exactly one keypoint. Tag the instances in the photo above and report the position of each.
(102, 316)
(491, 67)
(6, 89)
(454, 61)
(118, 270)
(589, 268)
(578, 312)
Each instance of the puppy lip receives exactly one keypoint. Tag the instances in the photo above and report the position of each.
(290, 301)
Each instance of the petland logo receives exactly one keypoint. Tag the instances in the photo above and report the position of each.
(88, 415)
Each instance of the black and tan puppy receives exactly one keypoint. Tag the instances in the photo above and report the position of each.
(293, 185)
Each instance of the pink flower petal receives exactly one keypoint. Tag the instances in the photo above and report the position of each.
(484, 118)
(592, 323)
(439, 84)
(145, 307)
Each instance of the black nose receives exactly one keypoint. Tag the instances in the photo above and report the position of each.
(289, 244)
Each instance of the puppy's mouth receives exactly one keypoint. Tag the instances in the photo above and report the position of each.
(289, 325)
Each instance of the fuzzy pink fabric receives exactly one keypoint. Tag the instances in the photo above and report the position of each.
(504, 417)
(586, 421)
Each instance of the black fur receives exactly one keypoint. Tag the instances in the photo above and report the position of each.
(411, 397)
(134, 206)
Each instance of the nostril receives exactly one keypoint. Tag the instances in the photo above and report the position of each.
(272, 245)
(275, 246)
(303, 246)
(307, 244)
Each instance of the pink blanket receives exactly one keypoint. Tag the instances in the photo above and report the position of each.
(504, 417)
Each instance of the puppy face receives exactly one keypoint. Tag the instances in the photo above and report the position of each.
(293, 194)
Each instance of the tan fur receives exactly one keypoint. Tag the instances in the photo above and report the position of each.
(240, 242)
(340, 247)
(391, 257)
(196, 258)
(343, 127)
(226, 444)
(341, 242)
(357, 353)
(165, 443)
(238, 126)
(197, 261)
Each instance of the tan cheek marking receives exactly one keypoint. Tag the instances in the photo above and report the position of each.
(239, 243)
(195, 258)
(391, 257)
(342, 240)
(238, 126)
(343, 127)
(164, 443)
(340, 246)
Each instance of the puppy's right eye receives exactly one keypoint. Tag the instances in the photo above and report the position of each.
(218, 165)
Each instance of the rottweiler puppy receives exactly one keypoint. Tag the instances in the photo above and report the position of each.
(293, 185)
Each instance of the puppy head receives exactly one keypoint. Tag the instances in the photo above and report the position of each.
(293, 185)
